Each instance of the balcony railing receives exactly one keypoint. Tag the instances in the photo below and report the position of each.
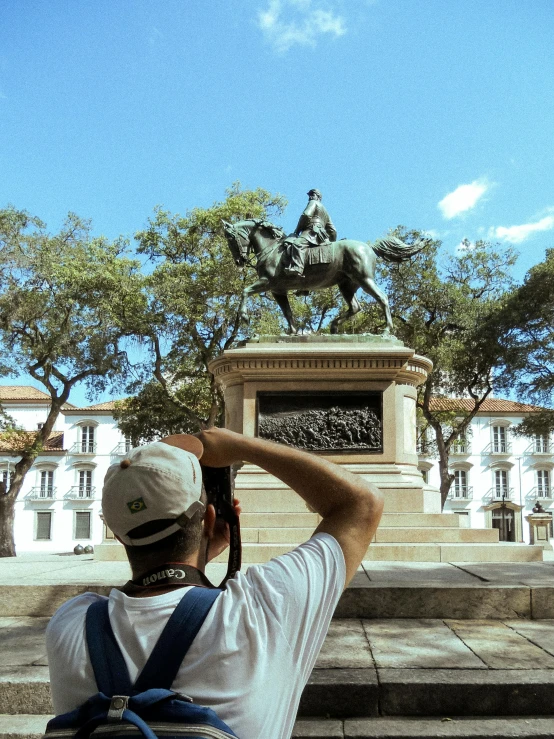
(82, 448)
(460, 493)
(124, 447)
(540, 447)
(39, 493)
(81, 492)
(541, 492)
(498, 447)
(460, 447)
(500, 494)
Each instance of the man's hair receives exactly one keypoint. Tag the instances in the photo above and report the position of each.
(172, 548)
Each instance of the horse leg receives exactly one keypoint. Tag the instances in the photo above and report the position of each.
(283, 303)
(348, 290)
(255, 288)
(368, 285)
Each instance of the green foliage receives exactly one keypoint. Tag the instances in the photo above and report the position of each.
(68, 305)
(150, 414)
(194, 293)
(523, 332)
(439, 303)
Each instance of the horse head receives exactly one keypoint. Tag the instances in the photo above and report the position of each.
(238, 247)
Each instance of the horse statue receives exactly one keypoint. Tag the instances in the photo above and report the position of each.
(346, 263)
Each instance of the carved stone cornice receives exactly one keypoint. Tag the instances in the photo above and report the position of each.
(281, 362)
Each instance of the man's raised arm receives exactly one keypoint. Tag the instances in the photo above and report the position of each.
(349, 506)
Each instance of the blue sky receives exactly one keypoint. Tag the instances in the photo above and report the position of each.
(437, 115)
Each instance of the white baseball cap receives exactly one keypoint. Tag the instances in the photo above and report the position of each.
(158, 481)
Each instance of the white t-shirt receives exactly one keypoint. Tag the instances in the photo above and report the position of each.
(252, 656)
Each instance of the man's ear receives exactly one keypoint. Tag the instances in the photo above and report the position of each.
(209, 521)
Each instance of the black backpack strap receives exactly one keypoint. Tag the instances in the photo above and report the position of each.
(184, 624)
(110, 670)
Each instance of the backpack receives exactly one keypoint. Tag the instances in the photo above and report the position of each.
(149, 707)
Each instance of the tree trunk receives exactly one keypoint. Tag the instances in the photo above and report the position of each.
(28, 456)
(7, 516)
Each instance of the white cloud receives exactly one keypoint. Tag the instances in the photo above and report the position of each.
(517, 234)
(286, 23)
(462, 198)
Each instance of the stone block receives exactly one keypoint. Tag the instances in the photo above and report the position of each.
(540, 633)
(284, 536)
(23, 641)
(25, 690)
(458, 727)
(542, 602)
(41, 600)
(24, 726)
(466, 692)
(500, 647)
(345, 646)
(279, 520)
(340, 693)
(423, 601)
(419, 519)
(403, 553)
(501, 552)
(418, 643)
(316, 729)
(435, 535)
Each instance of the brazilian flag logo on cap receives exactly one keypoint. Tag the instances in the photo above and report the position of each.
(135, 506)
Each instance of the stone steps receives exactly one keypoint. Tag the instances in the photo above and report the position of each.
(390, 534)
(25, 726)
(310, 520)
(360, 693)
(413, 552)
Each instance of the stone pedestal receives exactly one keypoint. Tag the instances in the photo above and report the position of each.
(539, 529)
(380, 369)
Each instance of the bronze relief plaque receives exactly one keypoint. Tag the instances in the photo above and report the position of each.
(323, 421)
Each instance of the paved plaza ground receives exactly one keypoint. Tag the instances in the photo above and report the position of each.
(415, 649)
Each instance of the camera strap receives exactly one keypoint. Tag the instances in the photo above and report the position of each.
(174, 574)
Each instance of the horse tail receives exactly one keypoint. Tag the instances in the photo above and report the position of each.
(392, 249)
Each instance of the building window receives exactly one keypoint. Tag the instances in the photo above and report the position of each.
(82, 525)
(425, 475)
(87, 439)
(46, 489)
(460, 484)
(543, 483)
(108, 533)
(500, 439)
(43, 521)
(4, 475)
(540, 443)
(85, 483)
(501, 483)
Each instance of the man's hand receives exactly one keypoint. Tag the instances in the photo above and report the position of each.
(222, 448)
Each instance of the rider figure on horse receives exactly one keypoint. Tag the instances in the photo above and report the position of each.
(314, 228)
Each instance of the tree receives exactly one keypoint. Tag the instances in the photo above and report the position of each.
(68, 304)
(194, 298)
(523, 329)
(439, 304)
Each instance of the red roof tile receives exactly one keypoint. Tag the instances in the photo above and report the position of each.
(22, 392)
(490, 405)
(54, 443)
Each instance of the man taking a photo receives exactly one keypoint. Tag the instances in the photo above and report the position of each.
(258, 644)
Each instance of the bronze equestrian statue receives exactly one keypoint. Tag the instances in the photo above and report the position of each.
(346, 263)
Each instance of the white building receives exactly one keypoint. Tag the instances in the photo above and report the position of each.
(499, 476)
(59, 504)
